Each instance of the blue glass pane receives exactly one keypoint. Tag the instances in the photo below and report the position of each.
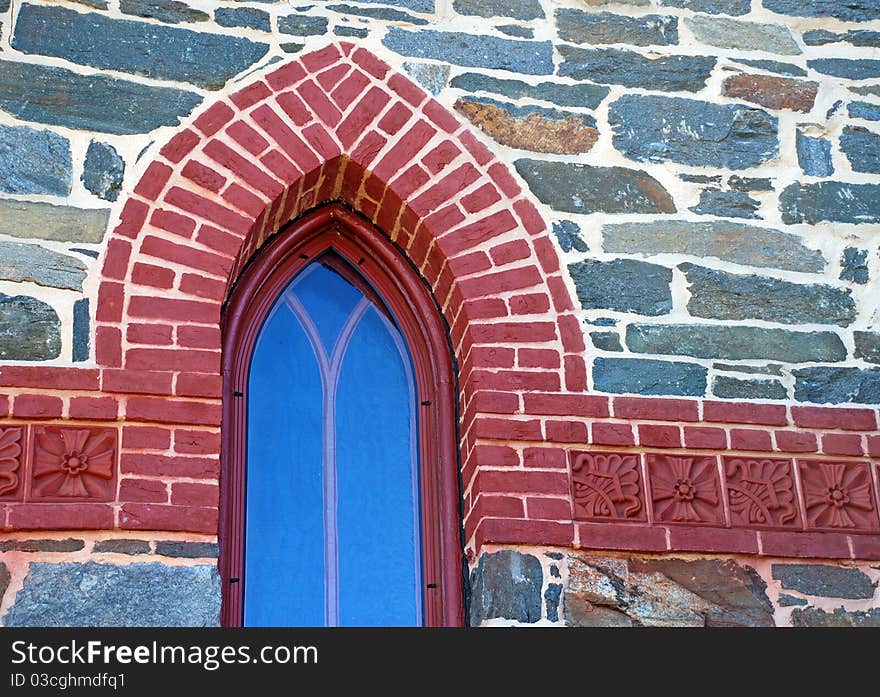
(379, 557)
(328, 298)
(284, 547)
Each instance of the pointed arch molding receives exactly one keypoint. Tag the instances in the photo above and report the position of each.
(338, 125)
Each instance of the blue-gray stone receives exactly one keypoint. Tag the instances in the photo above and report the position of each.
(862, 149)
(551, 597)
(831, 201)
(431, 76)
(837, 385)
(20, 262)
(727, 204)
(93, 253)
(103, 595)
(867, 346)
(608, 28)
(516, 30)
(378, 13)
(712, 7)
(606, 341)
(554, 570)
(165, 53)
(602, 322)
(577, 188)
(864, 110)
(856, 37)
(700, 178)
(814, 617)
(242, 17)
(81, 330)
(773, 67)
(860, 69)
(523, 112)
(814, 155)
(515, 9)
(302, 25)
(834, 109)
(473, 50)
(426, 6)
(34, 161)
(854, 265)
(786, 600)
(644, 376)
(631, 69)
(291, 47)
(5, 578)
(740, 342)
(722, 295)
(847, 10)
(582, 95)
(749, 183)
(30, 219)
(625, 285)
(732, 388)
(103, 171)
(691, 132)
(824, 580)
(506, 585)
(726, 240)
(568, 234)
(750, 36)
(168, 11)
(4, 5)
(118, 546)
(29, 329)
(341, 30)
(187, 550)
(769, 369)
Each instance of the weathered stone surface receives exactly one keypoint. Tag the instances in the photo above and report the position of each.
(773, 67)
(837, 385)
(713, 7)
(122, 546)
(832, 201)
(728, 241)
(168, 11)
(515, 9)
(850, 11)
(644, 376)
(669, 592)
(739, 183)
(5, 578)
(813, 617)
(631, 69)
(551, 597)
(568, 235)
(102, 595)
(786, 600)
(506, 585)
(90, 102)
(700, 178)
(302, 25)
(378, 13)
(732, 388)
(473, 50)
(772, 92)
(576, 188)
(103, 171)
(691, 132)
(27, 262)
(723, 295)
(582, 613)
(608, 28)
(34, 161)
(735, 342)
(531, 127)
(625, 285)
(814, 155)
(856, 37)
(81, 330)
(854, 265)
(188, 550)
(414, 5)
(606, 341)
(242, 17)
(862, 149)
(751, 36)
(431, 76)
(582, 95)
(341, 30)
(29, 329)
(67, 545)
(860, 69)
(864, 110)
(516, 30)
(728, 204)
(769, 369)
(867, 346)
(48, 222)
(824, 580)
(165, 53)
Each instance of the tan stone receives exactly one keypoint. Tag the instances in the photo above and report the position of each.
(44, 221)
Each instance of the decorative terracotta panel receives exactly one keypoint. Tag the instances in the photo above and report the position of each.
(10, 463)
(685, 489)
(761, 492)
(73, 464)
(606, 486)
(838, 495)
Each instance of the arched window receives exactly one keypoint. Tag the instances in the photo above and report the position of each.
(340, 496)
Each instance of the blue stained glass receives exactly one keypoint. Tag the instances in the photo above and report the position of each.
(328, 299)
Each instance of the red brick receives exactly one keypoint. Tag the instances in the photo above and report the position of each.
(566, 405)
(191, 360)
(95, 408)
(817, 545)
(529, 304)
(659, 436)
(173, 411)
(143, 491)
(317, 136)
(286, 76)
(493, 356)
(281, 167)
(528, 532)
(348, 89)
(404, 149)
(316, 60)
(292, 105)
(571, 333)
(502, 177)
(406, 89)
(204, 176)
(731, 412)
(111, 297)
(412, 178)
(186, 256)
(538, 358)
(214, 118)
(219, 240)
(195, 385)
(362, 115)
(473, 234)
(507, 429)
(146, 437)
(61, 516)
(516, 380)
(116, 260)
(492, 402)
(4, 406)
(174, 309)
(395, 119)
(153, 276)
(207, 209)
(529, 217)
(196, 442)
(611, 434)
(478, 151)
(36, 406)
(131, 220)
(149, 516)
(513, 332)
(136, 382)
(153, 181)
(575, 373)
(244, 200)
(169, 466)
(566, 432)
(705, 438)
(247, 137)
(192, 494)
(508, 252)
(559, 292)
(796, 442)
(223, 155)
(440, 116)
(874, 446)
(630, 538)
(370, 63)
(656, 409)
(544, 508)
(834, 418)
(445, 190)
(180, 146)
(250, 95)
(438, 158)
(522, 481)
(317, 101)
(750, 439)
(700, 539)
(209, 288)
(842, 444)
(544, 458)
(500, 282)
(108, 347)
(192, 336)
(866, 547)
(295, 148)
(49, 377)
(547, 255)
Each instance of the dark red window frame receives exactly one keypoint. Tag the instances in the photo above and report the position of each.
(333, 227)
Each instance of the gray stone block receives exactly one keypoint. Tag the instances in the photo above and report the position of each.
(849, 11)
(583, 95)
(103, 171)
(608, 28)
(45, 221)
(34, 161)
(378, 13)
(625, 285)
(515, 9)
(651, 377)
(813, 617)
(431, 76)
(732, 388)
(814, 155)
(122, 546)
(854, 265)
(713, 7)
(829, 385)
(243, 17)
(168, 11)
(727, 204)
(830, 201)
(506, 585)
(773, 67)
(824, 580)
(852, 69)
(29, 329)
(862, 149)
(867, 346)
(750, 36)
(188, 550)
(302, 25)
(21, 262)
(81, 330)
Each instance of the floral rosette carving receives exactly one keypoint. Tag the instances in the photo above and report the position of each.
(606, 485)
(685, 489)
(73, 463)
(761, 491)
(10, 459)
(838, 495)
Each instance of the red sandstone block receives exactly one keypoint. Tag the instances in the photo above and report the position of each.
(111, 297)
(95, 408)
(116, 260)
(60, 516)
(36, 406)
(214, 118)
(501, 282)
(529, 304)
(49, 377)
(656, 409)
(195, 385)
(149, 516)
(611, 434)
(507, 429)
(836, 417)
(153, 181)
(565, 432)
(134, 214)
(842, 444)
(544, 458)
(866, 547)
(561, 298)
(538, 358)
(196, 442)
(631, 538)
(193, 336)
(153, 276)
(174, 309)
(796, 442)
(571, 333)
(750, 439)
(745, 413)
(545, 508)
(492, 402)
(192, 494)
(204, 176)
(566, 405)
(528, 532)
(575, 373)
(173, 411)
(146, 437)
(700, 539)
(202, 287)
(108, 347)
(136, 382)
(286, 76)
(513, 332)
(169, 466)
(143, 491)
(705, 438)
(660, 436)
(818, 545)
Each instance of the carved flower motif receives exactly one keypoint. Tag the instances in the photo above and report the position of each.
(73, 463)
(761, 492)
(606, 485)
(685, 489)
(10, 459)
(838, 495)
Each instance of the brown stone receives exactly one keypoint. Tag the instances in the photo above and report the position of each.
(67, 545)
(772, 92)
(534, 131)
(582, 613)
